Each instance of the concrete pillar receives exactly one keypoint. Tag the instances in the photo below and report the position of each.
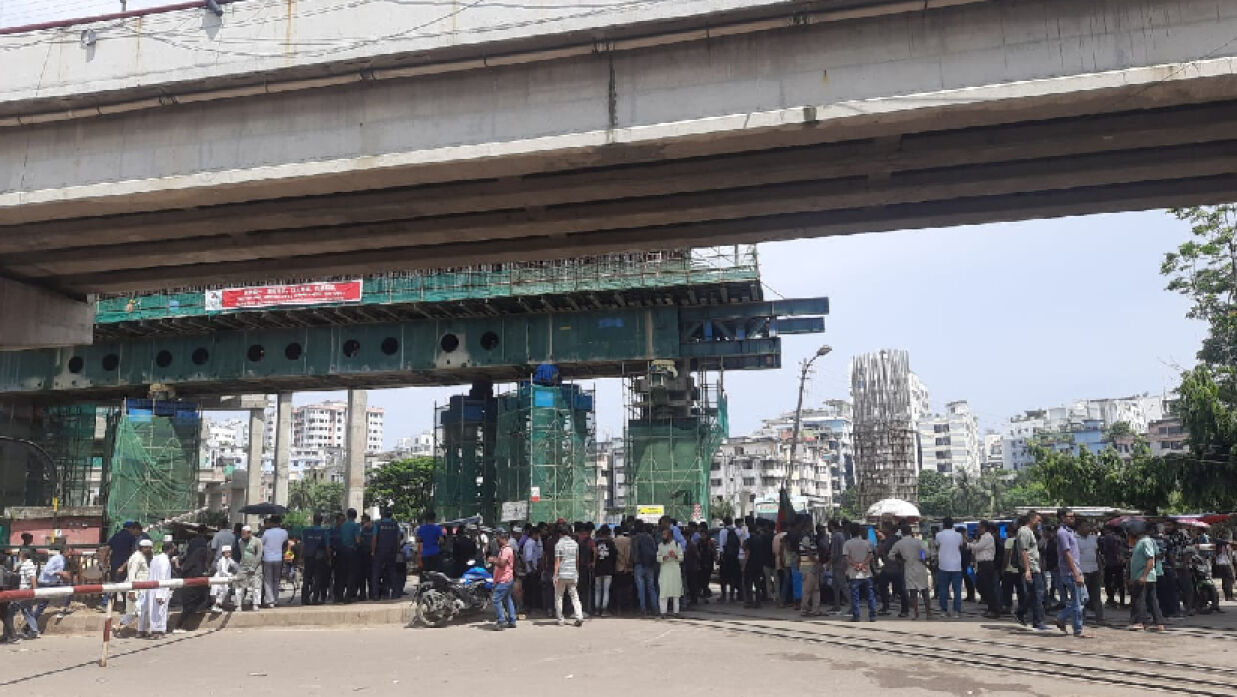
(354, 465)
(283, 446)
(257, 434)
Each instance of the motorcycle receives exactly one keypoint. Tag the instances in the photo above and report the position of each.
(438, 599)
(1206, 598)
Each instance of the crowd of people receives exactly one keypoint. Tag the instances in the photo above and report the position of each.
(638, 568)
(659, 569)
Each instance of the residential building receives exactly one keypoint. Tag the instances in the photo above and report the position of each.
(949, 442)
(1082, 424)
(1167, 437)
(325, 425)
(992, 449)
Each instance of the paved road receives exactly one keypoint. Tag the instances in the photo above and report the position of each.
(719, 652)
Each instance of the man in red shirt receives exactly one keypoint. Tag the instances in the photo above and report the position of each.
(504, 578)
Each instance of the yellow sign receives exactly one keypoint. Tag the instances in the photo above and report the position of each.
(55, 504)
(650, 514)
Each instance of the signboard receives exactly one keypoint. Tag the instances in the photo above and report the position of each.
(697, 513)
(650, 514)
(514, 511)
(535, 494)
(277, 295)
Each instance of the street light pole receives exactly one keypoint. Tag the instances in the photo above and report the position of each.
(804, 368)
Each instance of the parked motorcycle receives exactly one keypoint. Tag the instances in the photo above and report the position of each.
(1206, 598)
(438, 599)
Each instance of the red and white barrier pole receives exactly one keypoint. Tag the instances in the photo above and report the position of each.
(110, 589)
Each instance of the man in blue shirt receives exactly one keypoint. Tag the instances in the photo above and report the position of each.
(54, 573)
(431, 536)
(347, 583)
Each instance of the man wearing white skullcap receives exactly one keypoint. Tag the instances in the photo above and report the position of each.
(138, 569)
(226, 567)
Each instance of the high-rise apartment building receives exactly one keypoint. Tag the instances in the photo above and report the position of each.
(949, 442)
(325, 426)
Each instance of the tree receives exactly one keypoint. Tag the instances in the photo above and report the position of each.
(936, 496)
(1208, 475)
(407, 486)
(1204, 269)
(310, 497)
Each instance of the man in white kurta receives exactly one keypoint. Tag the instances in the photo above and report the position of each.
(155, 604)
(137, 569)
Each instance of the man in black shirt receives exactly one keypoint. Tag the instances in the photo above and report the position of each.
(759, 547)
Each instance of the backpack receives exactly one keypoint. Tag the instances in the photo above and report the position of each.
(9, 579)
(731, 549)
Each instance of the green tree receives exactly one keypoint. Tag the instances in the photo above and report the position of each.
(310, 497)
(1208, 475)
(722, 509)
(936, 494)
(1204, 269)
(406, 485)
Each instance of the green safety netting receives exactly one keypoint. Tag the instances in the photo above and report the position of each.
(668, 461)
(598, 273)
(154, 463)
(530, 446)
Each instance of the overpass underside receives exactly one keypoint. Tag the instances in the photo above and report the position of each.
(985, 111)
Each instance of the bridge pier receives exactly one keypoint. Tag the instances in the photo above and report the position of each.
(283, 446)
(354, 465)
(257, 434)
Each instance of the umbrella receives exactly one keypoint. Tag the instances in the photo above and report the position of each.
(1214, 518)
(893, 508)
(264, 508)
(1193, 523)
(1121, 520)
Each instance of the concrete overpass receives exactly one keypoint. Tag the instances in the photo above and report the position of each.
(314, 137)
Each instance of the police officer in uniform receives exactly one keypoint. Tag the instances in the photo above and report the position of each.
(363, 572)
(316, 551)
(384, 546)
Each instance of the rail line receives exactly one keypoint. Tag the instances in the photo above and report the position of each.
(881, 641)
(1153, 662)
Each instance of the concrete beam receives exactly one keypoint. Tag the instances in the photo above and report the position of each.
(354, 465)
(384, 218)
(232, 402)
(283, 446)
(32, 317)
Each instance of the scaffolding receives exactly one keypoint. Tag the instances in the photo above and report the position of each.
(153, 462)
(69, 438)
(463, 443)
(885, 435)
(609, 272)
(675, 424)
(532, 446)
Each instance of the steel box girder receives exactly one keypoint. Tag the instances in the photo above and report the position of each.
(419, 352)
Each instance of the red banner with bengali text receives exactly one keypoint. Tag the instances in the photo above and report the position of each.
(293, 294)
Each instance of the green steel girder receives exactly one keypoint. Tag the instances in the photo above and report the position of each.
(601, 343)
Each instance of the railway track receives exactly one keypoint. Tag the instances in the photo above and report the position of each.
(1131, 672)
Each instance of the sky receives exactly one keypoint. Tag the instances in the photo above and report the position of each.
(1009, 317)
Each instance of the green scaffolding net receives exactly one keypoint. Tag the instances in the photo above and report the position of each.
(670, 445)
(528, 450)
(652, 269)
(154, 461)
